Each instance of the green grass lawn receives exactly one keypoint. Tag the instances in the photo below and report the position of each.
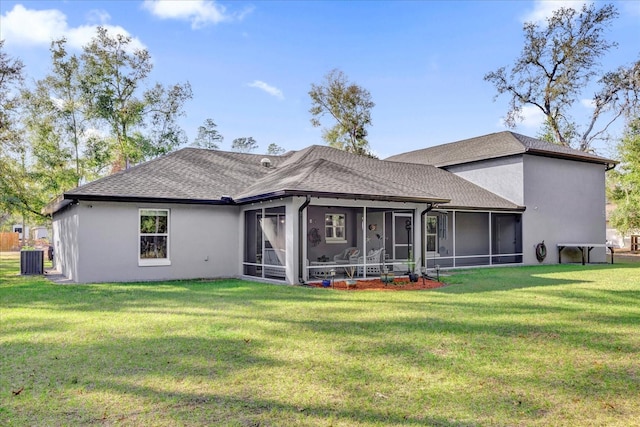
(529, 346)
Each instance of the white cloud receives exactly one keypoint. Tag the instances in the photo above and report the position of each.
(30, 27)
(271, 90)
(95, 133)
(588, 103)
(57, 102)
(98, 16)
(543, 9)
(532, 119)
(199, 12)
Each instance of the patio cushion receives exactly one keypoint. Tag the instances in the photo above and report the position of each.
(346, 254)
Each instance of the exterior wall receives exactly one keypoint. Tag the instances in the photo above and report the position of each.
(65, 226)
(315, 219)
(565, 204)
(503, 176)
(38, 233)
(564, 199)
(292, 226)
(203, 242)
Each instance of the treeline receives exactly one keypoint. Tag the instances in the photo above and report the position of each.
(94, 113)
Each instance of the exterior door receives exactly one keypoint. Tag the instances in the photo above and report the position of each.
(506, 238)
(402, 235)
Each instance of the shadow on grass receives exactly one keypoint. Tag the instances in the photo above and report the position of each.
(439, 333)
(221, 409)
(37, 292)
(163, 372)
(181, 376)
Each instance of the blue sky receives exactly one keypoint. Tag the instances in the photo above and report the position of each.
(251, 64)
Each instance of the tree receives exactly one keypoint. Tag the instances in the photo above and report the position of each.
(11, 78)
(244, 145)
(49, 164)
(64, 105)
(557, 63)
(274, 149)
(90, 112)
(208, 136)
(624, 188)
(349, 105)
(112, 76)
(12, 153)
(162, 106)
(56, 102)
(40, 163)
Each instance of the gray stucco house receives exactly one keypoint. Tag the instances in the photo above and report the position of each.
(300, 216)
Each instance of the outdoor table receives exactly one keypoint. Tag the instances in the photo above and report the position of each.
(585, 249)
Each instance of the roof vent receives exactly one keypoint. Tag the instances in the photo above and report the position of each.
(266, 162)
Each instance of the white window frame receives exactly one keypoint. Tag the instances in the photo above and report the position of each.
(435, 235)
(150, 262)
(334, 228)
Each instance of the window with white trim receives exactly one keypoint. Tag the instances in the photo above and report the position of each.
(432, 234)
(153, 240)
(334, 228)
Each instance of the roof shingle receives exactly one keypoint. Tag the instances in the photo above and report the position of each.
(206, 176)
(492, 146)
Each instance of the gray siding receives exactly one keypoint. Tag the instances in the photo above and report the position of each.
(564, 199)
(316, 216)
(565, 204)
(204, 243)
(503, 176)
(65, 227)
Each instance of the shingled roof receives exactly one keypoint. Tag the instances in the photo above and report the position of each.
(349, 174)
(189, 175)
(494, 145)
(320, 170)
(203, 176)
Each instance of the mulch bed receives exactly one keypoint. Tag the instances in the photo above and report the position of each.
(399, 284)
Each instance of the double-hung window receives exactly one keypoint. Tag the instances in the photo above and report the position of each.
(153, 237)
(334, 228)
(432, 233)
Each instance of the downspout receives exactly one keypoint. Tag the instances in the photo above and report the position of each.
(423, 254)
(301, 238)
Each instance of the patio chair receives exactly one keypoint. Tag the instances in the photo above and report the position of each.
(373, 263)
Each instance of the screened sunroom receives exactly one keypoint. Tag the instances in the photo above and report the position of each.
(347, 241)
(461, 238)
